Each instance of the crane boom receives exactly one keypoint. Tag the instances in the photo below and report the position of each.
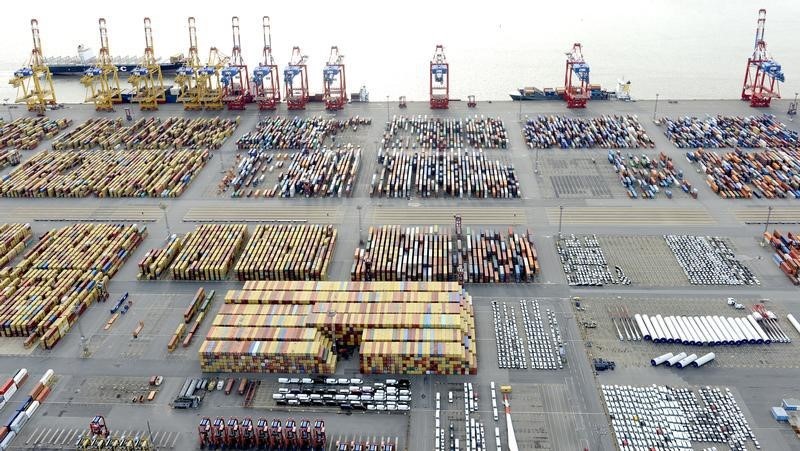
(102, 80)
(296, 92)
(334, 81)
(34, 82)
(763, 74)
(235, 78)
(146, 78)
(265, 76)
(439, 80)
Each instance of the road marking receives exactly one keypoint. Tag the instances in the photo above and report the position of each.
(777, 216)
(40, 430)
(261, 213)
(71, 436)
(175, 440)
(444, 215)
(629, 215)
(138, 213)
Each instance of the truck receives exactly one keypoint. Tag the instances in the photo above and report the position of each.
(602, 365)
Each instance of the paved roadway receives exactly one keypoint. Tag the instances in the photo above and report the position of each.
(566, 400)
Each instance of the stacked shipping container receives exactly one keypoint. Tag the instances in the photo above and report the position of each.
(208, 252)
(787, 253)
(292, 326)
(105, 173)
(287, 252)
(414, 253)
(771, 172)
(62, 275)
(148, 133)
(12, 241)
(27, 132)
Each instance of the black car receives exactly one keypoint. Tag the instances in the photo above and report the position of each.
(345, 406)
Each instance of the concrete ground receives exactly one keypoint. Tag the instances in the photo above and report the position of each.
(555, 410)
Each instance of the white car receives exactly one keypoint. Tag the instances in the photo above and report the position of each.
(731, 301)
(283, 380)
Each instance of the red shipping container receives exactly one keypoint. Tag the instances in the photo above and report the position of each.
(6, 386)
(43, 394)
(36, 390)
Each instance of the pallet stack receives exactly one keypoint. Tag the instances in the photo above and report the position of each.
(292, 326)
(175, 133)
(396, 253)
(62, 275)
(208, 252)
(105, 173)
(12, 242)
(287, 252)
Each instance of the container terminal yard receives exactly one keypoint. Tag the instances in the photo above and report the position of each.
(623, 289)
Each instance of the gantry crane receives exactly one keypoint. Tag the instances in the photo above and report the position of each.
(333, 77)
(762, 75)
(187, 75)
(34, 82)
(296, 90)
(146, 78)
(439, 80)
(235, 79)
(265, 76)
(210, 80)
(576, 92)
(102, 80)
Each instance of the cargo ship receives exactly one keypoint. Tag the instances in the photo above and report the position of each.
(597, 93)
(77, 65)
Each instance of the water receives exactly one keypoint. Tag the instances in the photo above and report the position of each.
(678, 48)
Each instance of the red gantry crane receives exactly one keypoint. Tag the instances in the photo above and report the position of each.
(235, 79)
(439, 80)
(296, 90)
(576, 91)
(265, 76)
(762, 75)
(333, 77)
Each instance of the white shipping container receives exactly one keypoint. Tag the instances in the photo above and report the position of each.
(10, 392)
(32, 408)
(20, 375)
(47, 376)
(6, 443)
(19, 421)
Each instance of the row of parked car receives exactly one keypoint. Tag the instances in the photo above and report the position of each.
(391, 395)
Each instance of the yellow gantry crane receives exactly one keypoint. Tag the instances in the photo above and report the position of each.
(210, 82)
(147, 81)
(191, 94)
(102, 80)
(34, 82)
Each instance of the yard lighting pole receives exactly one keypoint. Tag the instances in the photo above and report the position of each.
(766, 226)
(655, 108)
(163, 208)
(560, 215)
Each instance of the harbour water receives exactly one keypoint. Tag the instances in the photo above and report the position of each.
(679, 49)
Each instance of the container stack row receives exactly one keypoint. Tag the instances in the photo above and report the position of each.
(453, 173)
(297, 133)
(414, 253)
(175, 133)
(319, 173)
(411, 132)
(12, 241)
(293, 326)
(207, 253)
(729, 131)
(9, 157)
(607, 132)
(646, 177)
(27, 132)
(62, 275)
(27, 408)
(769, 173)
(787, 253)
(105, 173)
(156, 261)
(289, 252)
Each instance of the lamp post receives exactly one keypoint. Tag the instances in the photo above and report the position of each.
(536, 167)
(163, 208)
(360, 240)
(560, 215)
(11, 118)
(655, 108)
(766, 226)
